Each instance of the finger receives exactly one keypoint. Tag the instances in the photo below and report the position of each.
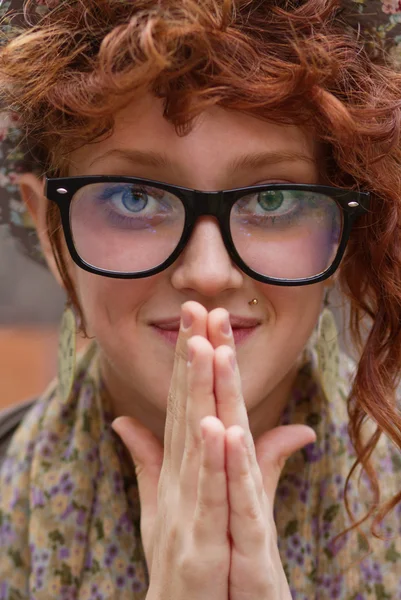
(174, 435)
(246, 517)
(274, 447)
(219, 328)
(200, 403)
(230, 404)
(230, 411)
(211, 510)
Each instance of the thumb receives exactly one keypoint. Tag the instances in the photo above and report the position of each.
(275, 446)
(147, 454)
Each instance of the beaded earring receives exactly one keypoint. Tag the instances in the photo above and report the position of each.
(327, 350)
(67, 352)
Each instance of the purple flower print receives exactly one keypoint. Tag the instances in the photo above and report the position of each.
(290, 554)
(137, 586)
(64, 553)
(332, 585)
(335, 546)
(67, 487)
(111, 553)
(312, 453)
(118, 486)
(371, 571)
(80, 537)
(81, 516)
(14, 499)
(282, 492)
(131, 571)
(37, 497)
(304, 493)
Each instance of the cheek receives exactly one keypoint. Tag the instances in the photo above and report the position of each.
(292, 314)
(108, 304)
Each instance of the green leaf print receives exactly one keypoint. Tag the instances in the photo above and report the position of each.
(331, 513)
(14, 594)
(56, 537)
(313, 419)
(65, 574)
(15, 556)
(396, 460)
(99, 529)
(392, 554)
(292, 527)
(95, 566)
(86, 424)
(381, 592)
(362, 543)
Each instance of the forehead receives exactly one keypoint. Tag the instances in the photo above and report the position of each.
(220, 141)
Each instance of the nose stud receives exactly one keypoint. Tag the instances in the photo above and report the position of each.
(254, 301)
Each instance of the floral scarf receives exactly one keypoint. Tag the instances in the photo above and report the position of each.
(70, 512)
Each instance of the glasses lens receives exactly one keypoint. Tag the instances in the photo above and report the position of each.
(287, 234)
(125, 228)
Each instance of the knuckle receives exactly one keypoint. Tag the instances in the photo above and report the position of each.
(196, 566)
(249, 511)
(258, 586)
(191, 570)
(210, 502)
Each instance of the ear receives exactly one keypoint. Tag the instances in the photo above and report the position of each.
(31, 189)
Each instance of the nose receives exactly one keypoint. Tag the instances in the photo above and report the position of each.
(205, 267)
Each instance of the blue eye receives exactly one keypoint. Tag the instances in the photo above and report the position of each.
(134, 200)
(127, 197)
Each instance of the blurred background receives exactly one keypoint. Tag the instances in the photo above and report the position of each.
(31, 304)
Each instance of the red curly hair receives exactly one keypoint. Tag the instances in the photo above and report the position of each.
(68, 73)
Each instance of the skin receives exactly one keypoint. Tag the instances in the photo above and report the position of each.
(118, 312)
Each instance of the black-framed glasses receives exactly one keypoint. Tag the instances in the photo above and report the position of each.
(281, 234)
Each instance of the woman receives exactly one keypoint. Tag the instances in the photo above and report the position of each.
(196, 172)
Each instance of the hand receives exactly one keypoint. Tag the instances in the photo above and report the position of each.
(183, 491)
(253, 473)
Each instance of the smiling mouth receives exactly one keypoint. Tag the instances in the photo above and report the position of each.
(240, 334)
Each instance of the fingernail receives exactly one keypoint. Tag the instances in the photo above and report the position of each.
(225, 326)
(186, 320)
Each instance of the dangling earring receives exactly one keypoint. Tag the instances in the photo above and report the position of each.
(67, 353)
(327, 350)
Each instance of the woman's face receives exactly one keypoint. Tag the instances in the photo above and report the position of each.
(224, 150)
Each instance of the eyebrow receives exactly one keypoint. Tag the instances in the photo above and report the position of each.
(249, 161)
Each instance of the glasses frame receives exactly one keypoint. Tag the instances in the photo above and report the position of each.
(218, 204)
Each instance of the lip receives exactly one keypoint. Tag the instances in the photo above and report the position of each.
(242, 328)
(173, 323)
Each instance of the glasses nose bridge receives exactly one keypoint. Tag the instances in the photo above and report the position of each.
(208, 204)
